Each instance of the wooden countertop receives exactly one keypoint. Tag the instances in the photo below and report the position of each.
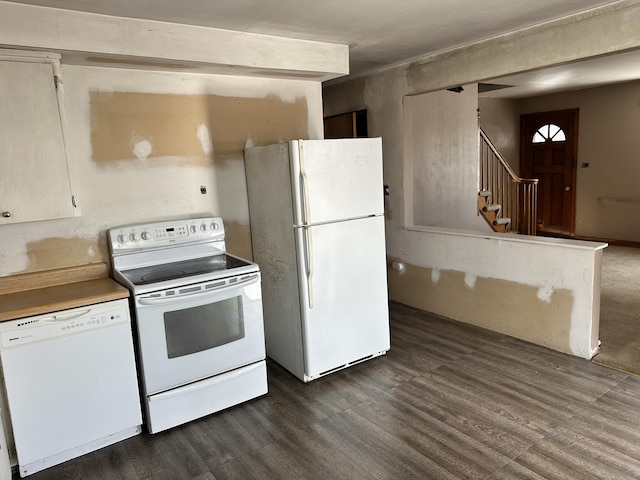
(39, 293)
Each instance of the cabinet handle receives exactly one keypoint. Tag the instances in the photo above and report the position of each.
(6, 214)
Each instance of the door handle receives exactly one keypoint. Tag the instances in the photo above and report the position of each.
(61, 317)
(303, 185)
(308, 258)
(566, 189)
(202, 292)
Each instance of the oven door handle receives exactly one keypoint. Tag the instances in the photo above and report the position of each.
(148, 300)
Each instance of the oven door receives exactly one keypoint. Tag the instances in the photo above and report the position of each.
(197, 331)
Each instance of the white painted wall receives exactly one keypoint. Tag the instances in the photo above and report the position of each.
(137, 190)
(500, 119)
(612, 29)
(549, 265)
(440, 137)
(156, 58)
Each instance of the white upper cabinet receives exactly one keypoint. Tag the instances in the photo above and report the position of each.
(34, 173)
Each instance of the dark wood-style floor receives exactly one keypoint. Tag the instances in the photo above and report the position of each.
(449, 401)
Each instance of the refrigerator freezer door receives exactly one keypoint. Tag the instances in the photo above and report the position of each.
(344, 293)
(336, 179)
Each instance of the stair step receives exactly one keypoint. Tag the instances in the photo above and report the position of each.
(491, 212)
(494, 207)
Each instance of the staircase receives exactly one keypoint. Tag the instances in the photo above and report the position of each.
(492, 212)
(507, 202)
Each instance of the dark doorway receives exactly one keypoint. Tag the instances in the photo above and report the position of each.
(346, 125)
(548, 152)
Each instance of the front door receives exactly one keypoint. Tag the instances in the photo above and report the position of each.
(548, 152)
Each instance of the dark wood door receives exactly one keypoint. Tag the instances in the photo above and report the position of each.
(548, 152)
(346, 125)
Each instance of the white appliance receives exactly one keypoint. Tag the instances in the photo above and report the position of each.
(198, 316)
(71, 383)
(317, 228)
(5, 463)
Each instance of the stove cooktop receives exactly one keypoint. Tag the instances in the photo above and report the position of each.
(171, 254)
(215, 266)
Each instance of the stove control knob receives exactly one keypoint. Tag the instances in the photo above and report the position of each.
(215, 226)
(193, 229)
(121, 238)
(203, 227)
(145, 235)
(133, 237)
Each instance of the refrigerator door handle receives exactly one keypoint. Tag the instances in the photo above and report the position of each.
(305, 197)
(303, 183)
(308, 262)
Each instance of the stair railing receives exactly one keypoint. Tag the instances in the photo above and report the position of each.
(517, 196)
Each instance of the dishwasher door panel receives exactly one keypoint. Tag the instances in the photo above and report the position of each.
(69, 393)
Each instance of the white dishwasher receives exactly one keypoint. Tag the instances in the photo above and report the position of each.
(71, 382)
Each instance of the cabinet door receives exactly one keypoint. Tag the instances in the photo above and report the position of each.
(34, 177)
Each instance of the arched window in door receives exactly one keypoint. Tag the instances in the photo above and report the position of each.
(548, 132)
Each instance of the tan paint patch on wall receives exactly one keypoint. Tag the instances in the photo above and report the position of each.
(238, 239)
(265, 120)
(128, 126)
(58, 252)
(499, 305)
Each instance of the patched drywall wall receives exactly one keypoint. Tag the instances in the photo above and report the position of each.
(238, 238)
(603, 31)
(488, 303)
(47, 253)
(149, 146)
(542, 290)
(192, 129)
(154, 130)
(440, 143)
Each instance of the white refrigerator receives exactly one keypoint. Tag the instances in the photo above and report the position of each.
(316, 209)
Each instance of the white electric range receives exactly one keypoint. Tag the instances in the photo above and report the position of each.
(198, 317)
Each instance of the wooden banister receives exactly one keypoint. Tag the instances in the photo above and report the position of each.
(517, 196)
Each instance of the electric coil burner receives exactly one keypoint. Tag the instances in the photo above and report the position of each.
(198, 316)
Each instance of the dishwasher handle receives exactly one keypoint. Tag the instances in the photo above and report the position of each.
(64, 316)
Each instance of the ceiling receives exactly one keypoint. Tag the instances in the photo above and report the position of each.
(621, 67)
(381, 33)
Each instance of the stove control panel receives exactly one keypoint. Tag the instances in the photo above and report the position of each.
(172, 231)
(160, 234)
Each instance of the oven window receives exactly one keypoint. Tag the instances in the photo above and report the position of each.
(200, 328)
